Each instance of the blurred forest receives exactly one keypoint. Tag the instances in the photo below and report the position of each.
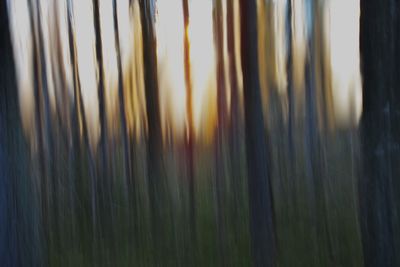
(199, 133)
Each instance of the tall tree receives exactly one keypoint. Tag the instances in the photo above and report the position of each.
(379, 184)
(152, 94)
(312, 138)
(8, 122)
(48, 137)
(154, 142)
(289, 71)
(258, 164)
(74, 148)
(104, 157)
(121, 96)
(234, 126)
(189, 113)
(40, 112)
(220, 130)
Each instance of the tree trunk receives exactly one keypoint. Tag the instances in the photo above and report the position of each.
(220, 132)
(379, 183)
(234, 123)
(74, 148)
(121, 95)
(9, 125)
(290, 91)
(104, 170)
(190, 128)
(38, 95)
(258, 163)
(154, 142)
(48, 137)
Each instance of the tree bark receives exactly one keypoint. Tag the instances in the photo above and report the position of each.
(154, 142)
(379, 184)
(9, 123)
(258, 163)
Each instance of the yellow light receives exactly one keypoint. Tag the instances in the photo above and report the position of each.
(170, 37)
(171, 75)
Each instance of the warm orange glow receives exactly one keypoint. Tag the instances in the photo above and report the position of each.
(169, 30)
(171, 74)
(132, 53)
(109, 59)
(341, 33)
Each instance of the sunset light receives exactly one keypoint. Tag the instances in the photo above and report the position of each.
(199, 133)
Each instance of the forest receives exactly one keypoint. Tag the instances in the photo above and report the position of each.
(200, 133)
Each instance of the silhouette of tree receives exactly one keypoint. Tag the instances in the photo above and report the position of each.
(258, 163)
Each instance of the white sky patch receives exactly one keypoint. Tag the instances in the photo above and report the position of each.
(344, 30)
(87, 65)
(171, 72)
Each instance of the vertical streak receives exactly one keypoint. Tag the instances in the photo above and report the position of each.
(289, 76)
(121, 95)
(259, 181)
(189, 112)
(221, 115)
(38, 116)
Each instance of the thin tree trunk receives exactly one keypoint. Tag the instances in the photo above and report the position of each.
(78, 113)
(220, 134)
(234, 123)
(190, 127)
(43, 171)
(104, 169)
(121, 95)
(128, 175)
(48, 137)
(258, 163)
(74, 148)
(290, 91)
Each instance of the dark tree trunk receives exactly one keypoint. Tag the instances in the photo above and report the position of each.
(75, 152)
(154, 142)
(121, 95)
(290, 91)
(104, 170)
(151, 98)
(258, 163)
(9, 123)
(379, 184)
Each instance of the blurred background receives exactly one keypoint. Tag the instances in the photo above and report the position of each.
(199, 133)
